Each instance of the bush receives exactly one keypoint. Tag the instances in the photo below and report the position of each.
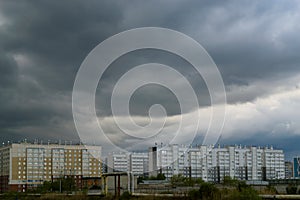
(194, 194)
(180, 180)
(245, 194)
(159, 176)
(230, 181)
(270, 190)
(198, 181)
(126, 195)
(291, 189)
(208, 191)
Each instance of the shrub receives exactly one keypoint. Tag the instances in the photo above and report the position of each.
(291, 189)
(126, 195)
(208, 191)
(194, 194)
(230, 181)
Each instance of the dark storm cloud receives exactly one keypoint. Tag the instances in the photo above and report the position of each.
(56, 36)
(42, 44)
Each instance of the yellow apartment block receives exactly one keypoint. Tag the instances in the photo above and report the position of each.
(25, 165)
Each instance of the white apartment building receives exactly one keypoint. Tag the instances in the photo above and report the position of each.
(26, 165)
(273, 162)
(136, 163)
(213, 164)
(172, 160)
(139, 163)
(118, 162)
(199, 162)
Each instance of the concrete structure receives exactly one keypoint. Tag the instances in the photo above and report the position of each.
(213, 164)
(152, 154)
(117, 162)
(172, 160)
(273, 161)
(24, 165)
(288, 170)
(200, 163)
(296, 167)
(136, 163)
(116, 183)
(139, 163)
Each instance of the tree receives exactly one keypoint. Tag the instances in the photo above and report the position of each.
(68, 184)
(198, 181)
(46, 187)
(178, 180)
(160, 176)
(208, 191)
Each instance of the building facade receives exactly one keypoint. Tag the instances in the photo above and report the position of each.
(118, 162)
(213, 164)
(24, 166)
(136, 163)
(172, 160)
(288, 170)
(296, 167)
(139, 163)
(199, 163)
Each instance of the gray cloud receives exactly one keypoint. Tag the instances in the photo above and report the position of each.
(42, 44)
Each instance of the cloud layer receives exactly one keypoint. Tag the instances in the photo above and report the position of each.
(255, 44)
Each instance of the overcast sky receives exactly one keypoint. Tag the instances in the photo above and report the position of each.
(255, 45)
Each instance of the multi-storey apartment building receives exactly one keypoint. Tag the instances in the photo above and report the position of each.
(236, 162)
(118, 162)
(273, 164)
(26, 165)
(172, 160)
(288, 169)
(296, 167)
(199, 163)
(213, 164)
(136, 163)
